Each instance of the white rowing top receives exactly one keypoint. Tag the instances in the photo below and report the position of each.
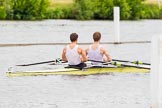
(72, 55)
(95, 55)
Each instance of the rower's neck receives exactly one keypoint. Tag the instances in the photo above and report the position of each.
(74, 43)
(96, 42)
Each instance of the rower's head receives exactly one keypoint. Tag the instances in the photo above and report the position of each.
(97, 36)
(73, 37)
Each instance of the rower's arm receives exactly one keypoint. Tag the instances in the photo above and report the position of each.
(108, 56)
(83, 54)
(64, 55)
(106, 53)
(87, 51)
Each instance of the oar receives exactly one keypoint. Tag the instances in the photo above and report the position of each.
(99, 61)
(127, 65)
(57, 60)
(134, 62)
(119, 64)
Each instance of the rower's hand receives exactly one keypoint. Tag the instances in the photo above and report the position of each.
(58, 60)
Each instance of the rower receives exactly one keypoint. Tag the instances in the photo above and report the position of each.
(74, 54)
(97, 52)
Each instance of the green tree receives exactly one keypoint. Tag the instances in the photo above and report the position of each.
(28, 9)
(124, 9)
(136, 8)
(103, 9)
(2, 12)
(83, 9)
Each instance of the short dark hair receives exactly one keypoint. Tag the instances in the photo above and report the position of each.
(96, 36)
(73, 37)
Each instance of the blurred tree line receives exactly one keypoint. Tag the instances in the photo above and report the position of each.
(23, 9)
(103, 9)
(2, 9)
(81, 10)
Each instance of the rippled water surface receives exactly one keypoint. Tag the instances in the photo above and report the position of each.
(95, 91)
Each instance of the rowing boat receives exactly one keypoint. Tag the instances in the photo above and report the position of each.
(74, 71)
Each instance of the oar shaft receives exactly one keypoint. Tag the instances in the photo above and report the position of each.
(120, 60)
(146, 63)
(135, 62)
(135, 66)
(36, 63)
(119, 64)
(99, 61)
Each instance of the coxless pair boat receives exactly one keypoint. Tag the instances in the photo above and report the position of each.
(90, 70)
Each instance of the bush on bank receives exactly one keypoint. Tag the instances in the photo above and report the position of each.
(2, 12)
(81, 10)
(150, 11)
(59, 13)
(103, 9)
(27, 9)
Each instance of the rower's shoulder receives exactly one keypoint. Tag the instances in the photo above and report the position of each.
(88, 48)
(102, 47)
(80, 48)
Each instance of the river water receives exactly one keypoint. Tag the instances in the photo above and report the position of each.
(95, 91)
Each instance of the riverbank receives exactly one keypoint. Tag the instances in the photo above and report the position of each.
(78, 10)
(72, 1)
(130, 10)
